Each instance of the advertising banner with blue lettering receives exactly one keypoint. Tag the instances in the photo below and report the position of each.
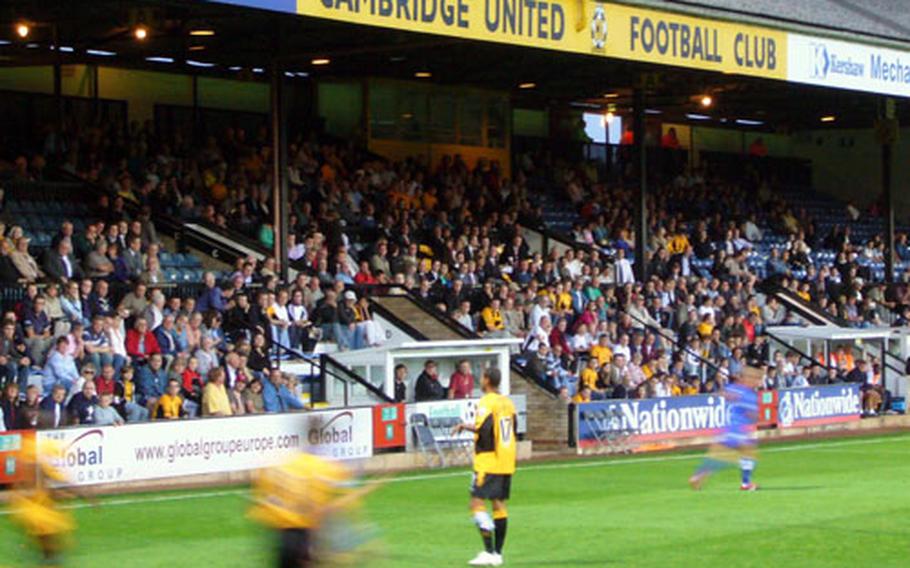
(831, 63)
(650, 419)
(816, 406)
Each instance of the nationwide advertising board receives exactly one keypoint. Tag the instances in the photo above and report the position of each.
(831, 63)
(93, 455)
(578, 26)
(651, 419)
(816, 406)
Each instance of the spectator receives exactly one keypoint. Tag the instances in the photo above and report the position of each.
(61, 265)
(81, 408)
(15, 360)
(215, 401)
(9, 407)
(151, 381)
(141, 343)
(276, 396)
(104, 413)
(170, 404)
(461, 383)
(97, 263)
(427, 387)
(38, 330)
(53, 409)
(401, 383)
(235, 394)
(212, 297)
(24, 262)
(252, 398)
(61, 367)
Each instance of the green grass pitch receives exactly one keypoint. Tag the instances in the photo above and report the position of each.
(823, 503)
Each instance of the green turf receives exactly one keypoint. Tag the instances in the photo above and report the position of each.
(824, 503)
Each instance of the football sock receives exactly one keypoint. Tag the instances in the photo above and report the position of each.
(710, 465)
(501, 521)
(746, 465)
(485, 525)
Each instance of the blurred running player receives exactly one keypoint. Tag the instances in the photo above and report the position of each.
(33, 502)
(494, 464)
(300, 499)
(738, 438)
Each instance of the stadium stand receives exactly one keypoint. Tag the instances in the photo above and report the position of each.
(450, 237)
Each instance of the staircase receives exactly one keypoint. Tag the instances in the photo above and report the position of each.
(548, 419)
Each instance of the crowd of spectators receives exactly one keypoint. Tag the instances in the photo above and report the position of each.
(451, 234)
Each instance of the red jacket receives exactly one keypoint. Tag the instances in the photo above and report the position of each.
(132, 344)
(461, 386)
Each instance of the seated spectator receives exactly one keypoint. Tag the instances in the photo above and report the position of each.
(235, 394)
(215, 401)
(126, 398)
(170, 404)
(212, 297)
(141, 343)
(60, 264)
(61, 367)
(24, 262)
(133, 305)
(104, 413)
(38, 330)
(9, 407)
(277, 396)
(427, 387)
(97, 263)
(81, 407)
(53, 409)
(207, 355)
(252, 398)
(15, 360)
(151, 381)
(461, 383)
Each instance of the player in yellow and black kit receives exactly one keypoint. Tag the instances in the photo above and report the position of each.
(494, 464)
(298, 498)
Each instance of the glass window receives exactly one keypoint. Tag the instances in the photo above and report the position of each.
(496, 123)
(442, 118)
(471, 124)
(383, 111)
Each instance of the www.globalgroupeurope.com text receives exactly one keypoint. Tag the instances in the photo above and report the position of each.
(206, 449)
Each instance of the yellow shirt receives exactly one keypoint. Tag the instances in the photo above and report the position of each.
(168, 407)
(705, 329)
(215, 401)
(588, 378)
(296, 495)
(603, 354)
(677, 244)
(563, 302)
(494, 435)
(579, 398)
(492, 319)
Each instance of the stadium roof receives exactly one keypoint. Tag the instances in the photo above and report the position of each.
(245, 44)
(883, 19)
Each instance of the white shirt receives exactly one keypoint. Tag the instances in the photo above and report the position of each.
(624, 274)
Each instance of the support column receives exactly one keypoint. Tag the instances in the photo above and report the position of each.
(641, 208)
(279, 170)
(887, 132)
(58, 87)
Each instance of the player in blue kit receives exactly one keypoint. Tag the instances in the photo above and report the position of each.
(738, 438)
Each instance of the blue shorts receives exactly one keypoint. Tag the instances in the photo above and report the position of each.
(735, 439)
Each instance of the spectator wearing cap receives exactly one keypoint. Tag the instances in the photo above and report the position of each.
(25, 263)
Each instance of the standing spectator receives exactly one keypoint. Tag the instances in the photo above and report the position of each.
(428, 386)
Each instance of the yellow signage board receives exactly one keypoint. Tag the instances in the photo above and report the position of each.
(578, 26)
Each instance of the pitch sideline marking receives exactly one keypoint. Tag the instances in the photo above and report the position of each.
(460, 473)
